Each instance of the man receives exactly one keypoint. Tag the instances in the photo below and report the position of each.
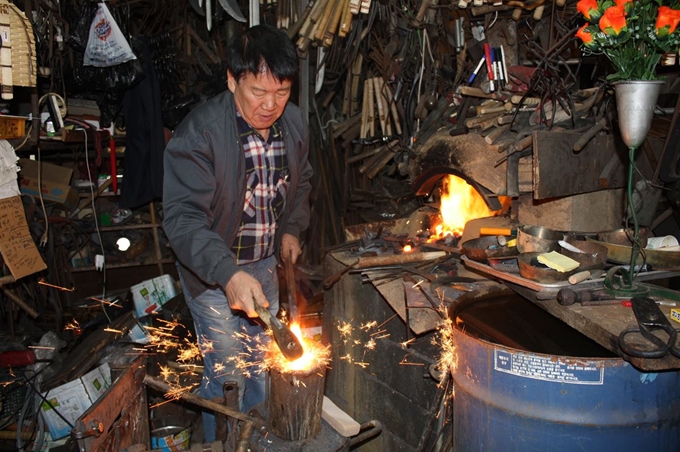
(236, 189)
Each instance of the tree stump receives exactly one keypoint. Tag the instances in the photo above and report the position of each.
(295, 403)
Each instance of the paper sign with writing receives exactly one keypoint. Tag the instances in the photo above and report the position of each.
(16, 245)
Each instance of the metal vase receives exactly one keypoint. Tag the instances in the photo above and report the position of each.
(635, 103)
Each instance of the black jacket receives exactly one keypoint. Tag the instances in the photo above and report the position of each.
(204, 189)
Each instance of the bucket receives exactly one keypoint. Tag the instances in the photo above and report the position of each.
(170, 434)
(525, 381)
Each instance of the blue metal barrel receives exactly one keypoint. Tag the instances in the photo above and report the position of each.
(507, 399)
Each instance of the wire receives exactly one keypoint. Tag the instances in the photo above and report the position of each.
(96, 223)
(43, 239)
(26, 138)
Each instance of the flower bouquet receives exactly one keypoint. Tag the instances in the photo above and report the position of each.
(633, 35)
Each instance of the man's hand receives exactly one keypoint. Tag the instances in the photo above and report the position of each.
(290, 248)
(243, 291)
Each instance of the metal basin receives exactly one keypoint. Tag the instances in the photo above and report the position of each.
(622, 236)
(479, 249)
(594, 255)
(541, 274)
(658, 259)
(537, 239)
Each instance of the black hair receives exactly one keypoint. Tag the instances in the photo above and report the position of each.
(262, 48)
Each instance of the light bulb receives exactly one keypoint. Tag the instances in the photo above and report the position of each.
(123, 243)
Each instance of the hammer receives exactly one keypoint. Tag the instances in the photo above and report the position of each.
(567, 297)
(289, 344)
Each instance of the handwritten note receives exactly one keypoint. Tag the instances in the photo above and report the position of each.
(16, 244)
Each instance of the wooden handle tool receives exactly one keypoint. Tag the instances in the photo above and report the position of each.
(289, 344)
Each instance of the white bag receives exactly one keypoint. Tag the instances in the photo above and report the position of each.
(106, 45)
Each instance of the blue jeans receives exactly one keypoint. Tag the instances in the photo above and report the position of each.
(217, 324)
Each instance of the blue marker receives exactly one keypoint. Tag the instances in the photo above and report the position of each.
(474, 73)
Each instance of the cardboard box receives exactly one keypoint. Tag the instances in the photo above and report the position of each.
(151, 294)
(97, 381)
(73, 398)
(56, 182)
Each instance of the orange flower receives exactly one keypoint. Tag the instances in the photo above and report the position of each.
(667, 21)
(585, 36)
(613, 20)
(589, 9)
(623, 2)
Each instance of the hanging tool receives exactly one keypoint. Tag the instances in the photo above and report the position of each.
(289, 344)
(650, 319)
(231, 7)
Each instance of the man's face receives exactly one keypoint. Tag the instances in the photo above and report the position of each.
(260, 99)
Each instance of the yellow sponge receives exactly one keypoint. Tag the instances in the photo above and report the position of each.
(558, 261)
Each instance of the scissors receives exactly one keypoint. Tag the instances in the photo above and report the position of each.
(650, 319)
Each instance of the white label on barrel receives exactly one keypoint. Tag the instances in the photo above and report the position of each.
(556, 369)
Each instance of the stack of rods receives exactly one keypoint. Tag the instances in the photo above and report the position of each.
(322, 20)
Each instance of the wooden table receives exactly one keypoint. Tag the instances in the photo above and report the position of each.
(602, 324)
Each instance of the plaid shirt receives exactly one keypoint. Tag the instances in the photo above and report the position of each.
(267, 183)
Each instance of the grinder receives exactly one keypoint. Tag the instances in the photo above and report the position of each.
(288, 343)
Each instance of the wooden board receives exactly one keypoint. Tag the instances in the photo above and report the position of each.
(602, 324)
(558, 171)
(120, 415)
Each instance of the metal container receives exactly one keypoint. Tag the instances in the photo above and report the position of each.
(537, 239)
(508, 399)
(635, 104)
(485, 248)
(170, 433)
(593, 257)
(623, 236)
(540, 273)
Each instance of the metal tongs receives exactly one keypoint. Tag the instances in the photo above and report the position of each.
(650, 319)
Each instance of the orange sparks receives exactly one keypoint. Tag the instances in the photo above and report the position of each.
(345, 330)
(189, 352)
(40, 347)
(448, 358)
(407, 248)
(215, 310)
(111, 330)
(315, 355)
(165, 372)
(106, 302)
(407, 363)
(42, 282)
(368, 325)
(73, 325)
(216, 330)
(406, 343)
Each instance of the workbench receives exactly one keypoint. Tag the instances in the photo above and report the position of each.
(602, 324)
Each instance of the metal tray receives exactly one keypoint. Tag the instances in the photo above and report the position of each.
(555, 287)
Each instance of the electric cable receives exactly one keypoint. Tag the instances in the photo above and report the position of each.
(43, 239)
(96, 225)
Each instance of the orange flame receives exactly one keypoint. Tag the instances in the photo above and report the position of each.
(460, 202)
(314, 357)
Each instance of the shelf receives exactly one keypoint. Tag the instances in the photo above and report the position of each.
(125, 265)
(128, 227)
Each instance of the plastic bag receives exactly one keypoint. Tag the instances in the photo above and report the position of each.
(106, 45)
